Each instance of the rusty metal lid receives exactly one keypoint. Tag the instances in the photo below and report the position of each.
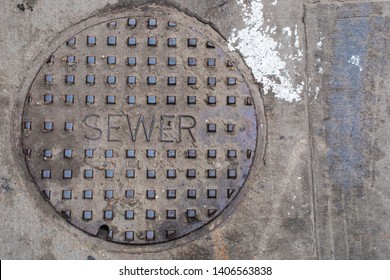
(139, 129)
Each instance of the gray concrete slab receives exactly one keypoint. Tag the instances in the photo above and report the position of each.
(321, 189)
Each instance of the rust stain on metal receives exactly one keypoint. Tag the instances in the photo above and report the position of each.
(140, 129)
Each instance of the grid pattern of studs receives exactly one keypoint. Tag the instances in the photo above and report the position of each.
(139, 120)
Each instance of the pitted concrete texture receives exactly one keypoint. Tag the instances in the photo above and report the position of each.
(321, 189)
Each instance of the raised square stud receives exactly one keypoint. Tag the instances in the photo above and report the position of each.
(171, 100)
(129, 193)
(150, 235)
(132, 61)
(152, 80)
(130, 173)
(191, 61)
(89, 99)
(232, 173)
(69, 99)
(231, 100)
(46, 194)
(48, 98)
(46, 174)
(108, 215)
(111, 80)
(109, 173)
(191, 81)
(171, 173)
(191, 100)
(71, 42)
(130, 153)
(70, 59)
(89, 153)
(211, 100)
(150, 214)
(171, 81)
(152, 61)
(192, 42)
(47, 153)
(212, 81)
(210, 45)
(248, 101)
(151, 100)
(108, 153)
(109, 194)
(151, 194)
(171, 153)
(171, 42)
(132, 22)
(91, 41)
(191, 193)
(70, 79)
(131, 100)
(67, 174)
(129, 235)
(110, 99)
(69, 126)
(171, 61)
(230, 128)
(67, 214)
(68, 153)
(211, 173)
(88, 194)
(87, 215)
(152, 42)
(129, 214)
(49, 79)
(90, 80)
(48, 126)
(191, 173)
(211, 62)
(171, 194)
(150, 153)
(131, 80)
(211, 153)
(212, 193)
(91, 60)
(211, 127)
(112, 24)
(51, 60)
(151, 174)
(232, 153)
(111, 60)
(131, 41)
(191, 213)
(171, 214)
(111, 41)
(88, 173)
(191, 153)
(231, 81)
(152, 23)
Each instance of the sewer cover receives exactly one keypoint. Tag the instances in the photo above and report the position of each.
(140, 129)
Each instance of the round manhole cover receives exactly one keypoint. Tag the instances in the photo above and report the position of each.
(140, 128)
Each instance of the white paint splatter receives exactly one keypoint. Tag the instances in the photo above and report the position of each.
(317, 91)
(286, 31)
(320, 43)
(275, 2)
(355, 60)
(320, 69)
(297, 42)
(261, 53)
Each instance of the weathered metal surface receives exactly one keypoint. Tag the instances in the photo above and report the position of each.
(139, 129)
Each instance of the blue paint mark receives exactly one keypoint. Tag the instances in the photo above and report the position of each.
(345, 128)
